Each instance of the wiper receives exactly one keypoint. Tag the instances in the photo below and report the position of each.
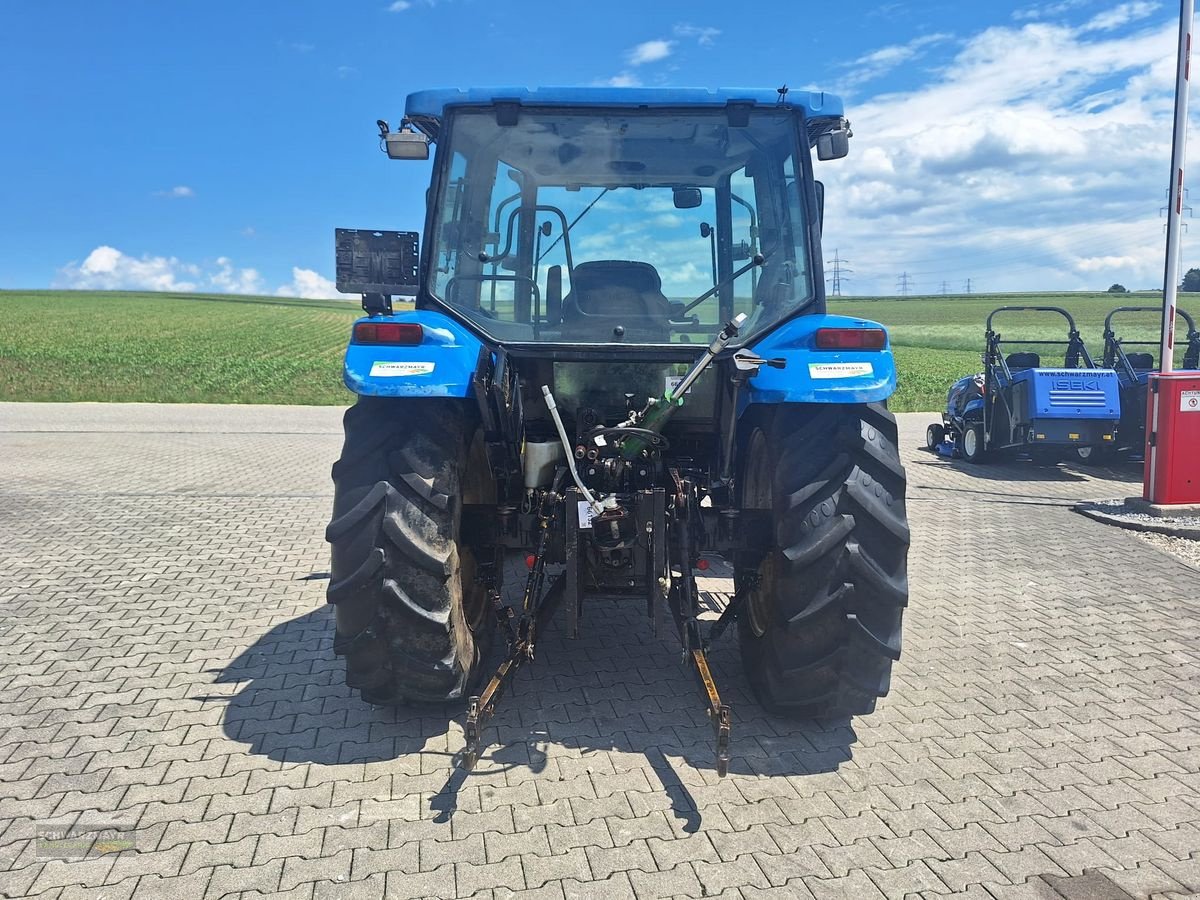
(757, 260)
(567, 231)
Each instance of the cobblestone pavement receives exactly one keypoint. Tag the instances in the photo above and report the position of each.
(167, 672)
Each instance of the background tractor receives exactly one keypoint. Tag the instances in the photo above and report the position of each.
(619, 359)
(1018, 405)
(1133, 368)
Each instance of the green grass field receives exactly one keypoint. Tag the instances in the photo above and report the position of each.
(172, 348)
(220, 348)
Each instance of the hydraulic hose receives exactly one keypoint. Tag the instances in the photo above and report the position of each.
(562, 436)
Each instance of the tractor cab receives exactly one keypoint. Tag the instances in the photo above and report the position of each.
(574, 217)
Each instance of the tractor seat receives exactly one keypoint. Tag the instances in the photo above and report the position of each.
(614, 293)
(1141, 362)
(1018, 362)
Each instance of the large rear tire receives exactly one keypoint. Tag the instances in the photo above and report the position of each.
(412, 621)
(822, 628)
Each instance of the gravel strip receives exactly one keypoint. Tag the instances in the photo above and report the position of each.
(1119, 513)
(1186, 549)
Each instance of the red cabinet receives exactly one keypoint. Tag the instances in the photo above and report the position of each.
(1173, 439)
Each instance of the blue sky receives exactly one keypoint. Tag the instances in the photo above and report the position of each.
(216, 145)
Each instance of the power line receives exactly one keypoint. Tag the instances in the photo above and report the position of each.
(904, 284)
(841, 272)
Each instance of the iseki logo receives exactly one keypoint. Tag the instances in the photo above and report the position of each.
(1076, 384)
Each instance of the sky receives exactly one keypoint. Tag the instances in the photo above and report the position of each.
(215, 146)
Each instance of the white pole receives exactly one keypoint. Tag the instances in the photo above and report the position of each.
(1175, 209)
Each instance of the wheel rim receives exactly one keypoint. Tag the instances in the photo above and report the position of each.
(930, 437)
(970, 442)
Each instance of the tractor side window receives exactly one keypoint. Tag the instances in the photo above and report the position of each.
(502, 243)
(795, 220)
(452, 202)
(744, 220)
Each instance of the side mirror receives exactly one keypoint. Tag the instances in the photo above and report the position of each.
(820, 203)
(406, 145)
(833, 144)
(687, 197)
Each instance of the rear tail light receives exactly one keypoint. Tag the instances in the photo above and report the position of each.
(851, 338)
(407, 334)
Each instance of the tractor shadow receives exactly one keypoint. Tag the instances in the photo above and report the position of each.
(618, 688)
(1008, 469)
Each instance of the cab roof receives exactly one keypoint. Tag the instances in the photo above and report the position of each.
(426, 108)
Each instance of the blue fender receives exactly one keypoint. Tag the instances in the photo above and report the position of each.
(442, 365)
(819, 376)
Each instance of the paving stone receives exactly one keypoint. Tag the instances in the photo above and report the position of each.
(959, 874)
(298, 871)
(680, 881)
(540, 870)
(617, 887)
(470, 877)
(175, 668)
(374, 887)
(744, 870)
(472, 849)
(914, 878)
(227, 880)
(856, 884)
(604, 862)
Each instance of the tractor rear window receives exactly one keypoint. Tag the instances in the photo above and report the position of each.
(604, 226)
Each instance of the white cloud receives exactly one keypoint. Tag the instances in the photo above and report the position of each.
(399, 6)
(1048, 10)
(1120, 15)
(879, 62)
(346, 71)
(621, 79)
(229, 280)
(1036, 159)
(704, 36)
(308, 284)
(179, 192)
(108, 269)
(650, 51)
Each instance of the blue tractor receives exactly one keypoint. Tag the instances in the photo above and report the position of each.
(619, 363)
(1133, 375)
(1017, 405)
